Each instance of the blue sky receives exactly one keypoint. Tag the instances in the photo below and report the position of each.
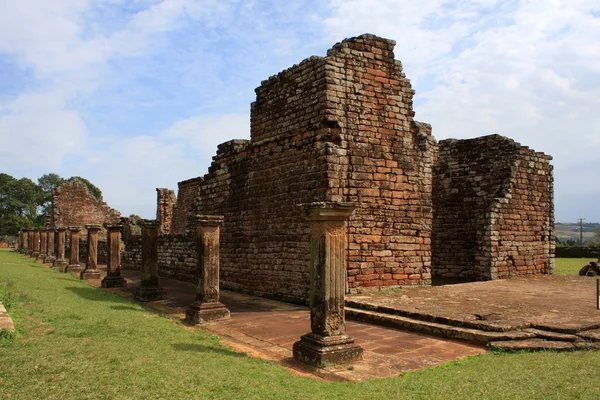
(135, 95)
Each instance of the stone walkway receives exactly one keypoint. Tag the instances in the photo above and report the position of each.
(267, 329)
(535, 309)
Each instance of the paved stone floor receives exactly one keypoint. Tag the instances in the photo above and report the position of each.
(267, 329)
(555, 302)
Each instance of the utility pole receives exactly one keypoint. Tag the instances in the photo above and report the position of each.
(581, 231)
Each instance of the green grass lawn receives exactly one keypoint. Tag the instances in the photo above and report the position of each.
(78, 342)
(570, 266)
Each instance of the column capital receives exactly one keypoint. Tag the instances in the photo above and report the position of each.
(208, 220)
(74, 228)
(113, 227)
(60, 228)
(327, 211)
(93, 227)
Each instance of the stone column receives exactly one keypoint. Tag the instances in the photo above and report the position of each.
(43, 245)
(149, 289)
(328, 342)
(60, 260)
(74, 259)
(50, 243)
(22, 241)
(113, 276)
(29, 241)
(91, 265)
(36, 243)
(207, 306)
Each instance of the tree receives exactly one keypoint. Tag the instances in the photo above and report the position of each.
(46, 184)
(18, 204)
(97, 193)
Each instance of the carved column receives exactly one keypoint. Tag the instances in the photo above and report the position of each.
(113, 276)
(328, 342)
(60, 260)
(36, 243)
(50, 243)
(74, 258)
(91, 265)
(207, 306)
(43, 245)
(149, 289)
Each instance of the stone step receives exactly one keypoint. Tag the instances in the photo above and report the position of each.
(532, 345)
(478, 325)
(553, 336)
(592, 336)
(434, 328)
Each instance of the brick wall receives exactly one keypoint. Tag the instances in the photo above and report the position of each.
(74, 205)
(494, 215)
(385, 164)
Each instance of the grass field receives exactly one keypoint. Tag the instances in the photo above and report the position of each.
(570, 266)
(77, 342)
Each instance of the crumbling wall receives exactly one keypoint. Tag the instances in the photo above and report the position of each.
(74, 205)
(493, 210)
(186, 196)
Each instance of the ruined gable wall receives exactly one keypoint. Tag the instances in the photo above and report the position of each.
(522, 224)
(385, 166)
(481, 214)
(74, 205)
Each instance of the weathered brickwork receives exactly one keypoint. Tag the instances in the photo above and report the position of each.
(338, 128)
(494, 215)
(74, 205)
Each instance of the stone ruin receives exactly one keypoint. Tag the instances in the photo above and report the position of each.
(340, 128)
(592, 269)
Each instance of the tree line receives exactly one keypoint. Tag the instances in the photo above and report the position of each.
(25, 203)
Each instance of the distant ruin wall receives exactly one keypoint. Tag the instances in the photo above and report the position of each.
(186, 196)
(493, 210)
(74, 205)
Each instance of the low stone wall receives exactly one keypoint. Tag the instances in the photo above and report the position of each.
(176, 256)
(578, 252)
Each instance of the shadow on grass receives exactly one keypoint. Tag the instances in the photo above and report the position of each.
(199, 348)
(126, 308)
(95, 294)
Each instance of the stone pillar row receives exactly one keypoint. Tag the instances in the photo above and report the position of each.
(327, 343)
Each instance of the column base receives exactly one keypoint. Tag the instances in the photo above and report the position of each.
(149, 294)
(74, 268)
(321, 351)
(113, 282)
(206, 312)
(40, 257)
(49, 259)
(60, 263)
(88, 274)
(34, 254)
